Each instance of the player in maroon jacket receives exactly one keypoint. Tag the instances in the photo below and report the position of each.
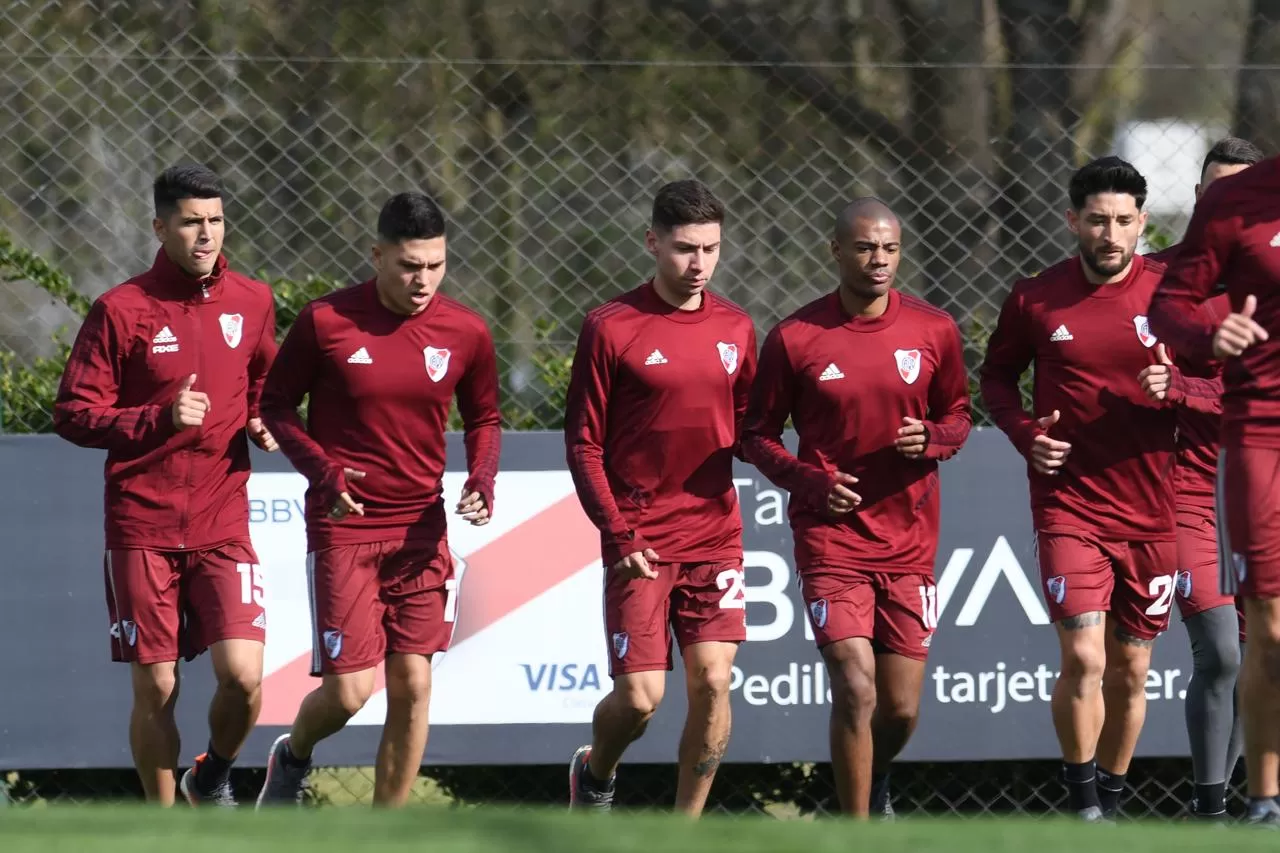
(381, 362)
(659, 387)
(874, 381)
(1213, 624)
(165, 374)
(1100, 461)
(1233, 238)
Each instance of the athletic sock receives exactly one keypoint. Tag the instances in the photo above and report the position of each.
(213, 771)
(1211, 799)
(1110, 789)
(291, 760)
(1082, 789)
(879, 791)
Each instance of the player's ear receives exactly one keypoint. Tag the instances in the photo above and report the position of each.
(375, 255)
(1199, 191)
(835, 250)
(158, 226)
(1073, 220)
(651, 242)
(1142, 221)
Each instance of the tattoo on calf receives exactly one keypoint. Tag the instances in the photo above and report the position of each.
(1084, 620)
(710, 760)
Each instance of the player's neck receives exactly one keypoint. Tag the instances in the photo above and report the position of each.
(868, 308)
(1096, 278)
(672, 298)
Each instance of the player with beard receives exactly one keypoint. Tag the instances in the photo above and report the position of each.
(1100, 462)
(1214, 625)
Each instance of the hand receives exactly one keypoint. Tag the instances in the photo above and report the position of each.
(1047, 454)
(472, 507)
(841, 498)
(260, 435)
(190, 407)
(345, 505)
(637, 565)
(912, 438)
(1156, 379)
(1238, 332)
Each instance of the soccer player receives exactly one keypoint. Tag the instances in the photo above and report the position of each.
(165, 374)
(381, 361)
(659, 387)
(1100, 462)
(1232, 238)
(1210, 616)
(875, 383)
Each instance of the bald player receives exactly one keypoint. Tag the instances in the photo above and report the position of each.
(874, 381)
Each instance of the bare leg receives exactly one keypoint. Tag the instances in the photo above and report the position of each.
(404, 736)
(621, 717)
(708, 669)
(852, 667)
(153, 730)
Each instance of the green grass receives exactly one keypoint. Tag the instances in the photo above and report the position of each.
(489, 830)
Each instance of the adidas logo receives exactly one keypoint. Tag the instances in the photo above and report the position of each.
(656, 357)
(832, 372)
(165, 341)
(260, 621)
(1061, 334)
(1275, 241)
(360, 356)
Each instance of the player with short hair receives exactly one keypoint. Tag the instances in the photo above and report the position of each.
(1214, 627)
(875, 383)
(381, 362)
(1233, 238)
(165, 374)
(1100, 462)
(653, 417)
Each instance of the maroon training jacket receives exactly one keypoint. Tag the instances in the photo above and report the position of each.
(169, 490)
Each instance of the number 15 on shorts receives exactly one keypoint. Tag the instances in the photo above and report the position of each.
(251, 588)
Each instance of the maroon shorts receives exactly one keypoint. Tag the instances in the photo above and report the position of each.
(1134, 581)
(166, 605)
(700, 602)
(1197, 587)
(377, 598)
(1249, 501)
(897, 612)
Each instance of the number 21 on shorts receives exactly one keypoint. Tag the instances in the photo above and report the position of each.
(733, 582)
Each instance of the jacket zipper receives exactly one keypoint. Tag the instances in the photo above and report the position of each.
(193, 318)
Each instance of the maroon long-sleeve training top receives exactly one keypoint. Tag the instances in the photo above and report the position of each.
(847, 383)
(380, 387)
(168, 489)
(652, 423)
(1088, 343)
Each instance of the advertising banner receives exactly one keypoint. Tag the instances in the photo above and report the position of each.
(529, 660)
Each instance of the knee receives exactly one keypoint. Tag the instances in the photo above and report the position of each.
(1219, 658)
(853, 692)
(350, 693)
(245, 679)
(897, 712)
(1085, 665)
(639, 699)
(155, 687)
(411, 687)
(710, 685)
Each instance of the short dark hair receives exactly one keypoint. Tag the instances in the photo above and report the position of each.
(688, 202)
(187, 180)
(1231, 151)
(1107, 175)
(410, 216)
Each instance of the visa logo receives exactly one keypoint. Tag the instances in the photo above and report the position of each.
(561, 676)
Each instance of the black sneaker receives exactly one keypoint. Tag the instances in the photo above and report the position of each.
(221, 795)
(584, 792)
(286, 781)
(882, 802)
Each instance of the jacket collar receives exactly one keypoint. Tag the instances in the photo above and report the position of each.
(172, 281)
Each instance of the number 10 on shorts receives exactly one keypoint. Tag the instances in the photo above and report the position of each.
(251, 589)
(929, 607)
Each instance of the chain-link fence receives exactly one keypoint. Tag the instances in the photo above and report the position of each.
(544, 129)
(1158, 788)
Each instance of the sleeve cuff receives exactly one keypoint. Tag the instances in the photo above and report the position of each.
(617, 547)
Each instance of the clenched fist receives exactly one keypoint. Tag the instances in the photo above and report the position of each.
(190, 407)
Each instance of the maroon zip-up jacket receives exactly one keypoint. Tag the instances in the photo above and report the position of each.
(170, 490)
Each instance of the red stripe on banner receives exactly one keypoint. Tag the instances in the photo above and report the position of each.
(505, 574)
